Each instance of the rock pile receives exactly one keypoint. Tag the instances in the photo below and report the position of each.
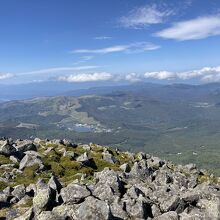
(47, 180)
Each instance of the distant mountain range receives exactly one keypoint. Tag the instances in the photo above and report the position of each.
(178, 122)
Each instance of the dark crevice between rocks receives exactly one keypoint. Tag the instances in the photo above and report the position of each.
(147, 211)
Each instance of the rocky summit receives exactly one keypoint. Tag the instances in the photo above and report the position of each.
(57, 179)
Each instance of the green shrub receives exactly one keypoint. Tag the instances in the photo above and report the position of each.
(4, 160)
(3, 185)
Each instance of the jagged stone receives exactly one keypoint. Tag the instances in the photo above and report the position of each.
(66, 211)
(104, 192)
(19, 191)
(155, 210)
(31, 160)
(14, 159)
(125, 168)
(48, 215)
(25, 145)
(140, 170)
(138, 209)
(69, 154)
(44, 200)
(155, 162)
(211, 206)
(68, 143)
(170, 203)
(31, 190)
(95, 209)
(55, 184)
(110, 178)
(28, 215)
(7, 190)
(84, 159)
(3, 200)
(168, 216)
(41, 184)
(118, 209)
(37, 140)
(134, 192)
(6, 148)
(185, 216)
(109, 157)
(74, 193)
(24, 201)
(191, 196)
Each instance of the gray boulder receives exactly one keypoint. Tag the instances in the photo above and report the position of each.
(118, 208)
(66, 211)
(55, 184)
(170, 203)
(74, 193)
(19, 191)
(31, 159)
(94, 209)
(109, 178)
(168, 216)
(44, 200)
(108, 157)
(6, 148)
(48, 215)
(25, 145)
(125, 167)
(140, 171)
(28, 215)
(84, 159)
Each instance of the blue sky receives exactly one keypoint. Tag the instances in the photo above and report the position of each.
(115, 40)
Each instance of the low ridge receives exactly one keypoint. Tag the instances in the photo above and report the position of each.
(57, 179)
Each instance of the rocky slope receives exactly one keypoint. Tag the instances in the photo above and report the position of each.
(56, 179)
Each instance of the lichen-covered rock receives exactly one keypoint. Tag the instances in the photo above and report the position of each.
(66, 211)
(44, 200)
(94, 209)
(168, 216)
(109, 178)
(28, 215)
(140, 170)
(19, 191)
(74, 193)
(31, 159)
(48, 215)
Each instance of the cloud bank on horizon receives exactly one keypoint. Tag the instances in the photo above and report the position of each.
(139, 42)
(205, 74)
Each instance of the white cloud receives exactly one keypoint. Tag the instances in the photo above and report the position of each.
(59, 70)
(206, 74)
(198, 28)
(143, 16)
(160, 75)
(83, 59)
(128, 48)
(133, 77)
(87, 77)
(4, 76)
(103, 38)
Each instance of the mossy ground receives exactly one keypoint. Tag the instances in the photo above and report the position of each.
(67, 168)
